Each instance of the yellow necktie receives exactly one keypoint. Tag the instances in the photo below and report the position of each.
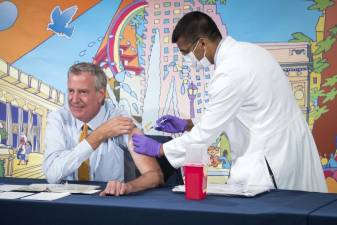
(83, 170)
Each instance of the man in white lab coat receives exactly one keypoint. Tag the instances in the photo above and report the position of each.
(251, 101)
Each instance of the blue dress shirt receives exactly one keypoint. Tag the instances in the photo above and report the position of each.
(64, 154)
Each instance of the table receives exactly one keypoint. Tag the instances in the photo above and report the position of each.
(162, 206)
(327, 214)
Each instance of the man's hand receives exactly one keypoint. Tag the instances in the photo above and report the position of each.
(114, 127)
(145, 145)
(117, 126)
(171, 124)
(116, 188)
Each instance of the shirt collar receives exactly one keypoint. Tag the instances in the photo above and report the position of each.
(94, 122)
(217, 52)
(222, 45)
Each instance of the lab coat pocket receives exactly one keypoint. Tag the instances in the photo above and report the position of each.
(250, 170)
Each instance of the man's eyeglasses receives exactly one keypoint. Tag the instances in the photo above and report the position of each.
(189, 49)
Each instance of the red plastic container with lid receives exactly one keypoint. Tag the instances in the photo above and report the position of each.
(195, 181)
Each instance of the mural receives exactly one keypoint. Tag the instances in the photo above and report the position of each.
(131, 41)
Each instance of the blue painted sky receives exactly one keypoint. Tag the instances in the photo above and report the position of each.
(246, 20)
(268, 20)
(50, 61)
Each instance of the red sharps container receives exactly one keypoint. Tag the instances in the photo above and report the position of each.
(195, 181)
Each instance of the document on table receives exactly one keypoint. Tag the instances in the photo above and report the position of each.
(229, 190)
(14, 194)
(62, 188)
(10, 187)
(46, 196)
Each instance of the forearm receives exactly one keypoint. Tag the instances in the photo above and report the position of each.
(114, 127)
(96, 138)
(150, 179)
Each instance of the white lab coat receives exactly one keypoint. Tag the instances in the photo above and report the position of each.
(250, 99)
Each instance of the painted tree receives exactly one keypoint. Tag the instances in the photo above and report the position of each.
(323, 95)
(320, 64)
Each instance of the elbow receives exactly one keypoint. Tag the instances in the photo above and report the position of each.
(51, 179)
(155, 178)
(159, 178)
(50, 176)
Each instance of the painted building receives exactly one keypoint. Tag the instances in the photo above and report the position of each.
(185, 94)
(24, 103)
(296, 61)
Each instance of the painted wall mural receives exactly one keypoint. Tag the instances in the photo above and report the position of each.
(131, 41)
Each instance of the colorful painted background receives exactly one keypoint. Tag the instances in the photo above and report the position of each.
(130, 40)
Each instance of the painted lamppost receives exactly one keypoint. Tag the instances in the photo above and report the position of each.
(192, 93)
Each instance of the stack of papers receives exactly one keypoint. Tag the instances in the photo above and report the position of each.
(61, 188)
(229, 190)
(14, 194)
(10, 187)
(48, 192)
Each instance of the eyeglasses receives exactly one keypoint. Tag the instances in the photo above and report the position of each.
(188, 50)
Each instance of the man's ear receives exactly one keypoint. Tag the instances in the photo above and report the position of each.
(203, 42)
(102, 94)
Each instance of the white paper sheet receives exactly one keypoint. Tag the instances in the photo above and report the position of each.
(13, 194)
(61, 188)
(10, 187)
(229, 190)
(46, 196)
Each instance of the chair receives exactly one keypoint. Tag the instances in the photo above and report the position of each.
(172, 176)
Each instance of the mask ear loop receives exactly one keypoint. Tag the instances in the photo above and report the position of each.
(205, 49)
(195, 47)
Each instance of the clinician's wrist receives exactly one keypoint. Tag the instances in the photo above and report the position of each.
(161, 151)
(189, 125)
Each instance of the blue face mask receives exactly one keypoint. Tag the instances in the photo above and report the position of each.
(192, 61)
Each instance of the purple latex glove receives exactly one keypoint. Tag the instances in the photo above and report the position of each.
(171, 124)
(146, 146)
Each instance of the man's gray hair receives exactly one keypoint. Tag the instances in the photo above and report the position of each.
(94, 70)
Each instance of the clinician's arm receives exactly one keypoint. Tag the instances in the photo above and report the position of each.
(151, 174)
(60, 160)
(227, 92)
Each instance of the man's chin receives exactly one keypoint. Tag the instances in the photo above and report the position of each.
(77, 113)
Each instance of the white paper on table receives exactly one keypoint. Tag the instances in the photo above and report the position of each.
(46, 196)
(10, 187)
(90, 192)
(62, 188)
(73, 188)
(229, 190)
(14, 194)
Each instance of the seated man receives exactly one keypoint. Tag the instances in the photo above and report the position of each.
(89, 139)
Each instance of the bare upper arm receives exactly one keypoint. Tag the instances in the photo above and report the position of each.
(144, 163)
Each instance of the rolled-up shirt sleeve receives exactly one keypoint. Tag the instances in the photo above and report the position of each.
(123, 140)
(62, 155)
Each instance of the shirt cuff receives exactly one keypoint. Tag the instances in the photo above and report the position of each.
(175, 159)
